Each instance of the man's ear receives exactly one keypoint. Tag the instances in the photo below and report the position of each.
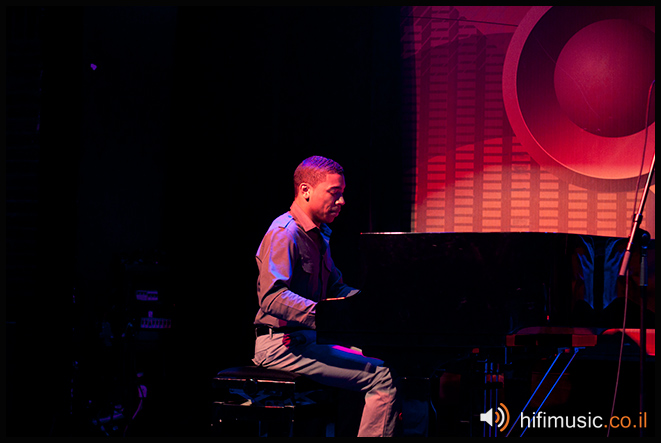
(304, 189)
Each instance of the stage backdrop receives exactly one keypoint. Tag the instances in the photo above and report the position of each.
(529, 118)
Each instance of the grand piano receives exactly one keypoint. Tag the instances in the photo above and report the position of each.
(440, 290)
(430, 298)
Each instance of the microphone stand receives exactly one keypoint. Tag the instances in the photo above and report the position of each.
(644, 239)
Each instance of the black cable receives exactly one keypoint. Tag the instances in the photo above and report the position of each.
(647, 128)
(619, 359)
(626, 275)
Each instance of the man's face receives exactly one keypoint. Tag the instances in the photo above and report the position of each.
(326, 199)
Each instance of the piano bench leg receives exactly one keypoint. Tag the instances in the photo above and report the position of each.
(255, 401)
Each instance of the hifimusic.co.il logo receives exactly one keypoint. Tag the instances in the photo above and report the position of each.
(501, 419)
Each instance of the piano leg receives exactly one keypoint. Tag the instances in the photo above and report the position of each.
(492, 384)
(470, 394)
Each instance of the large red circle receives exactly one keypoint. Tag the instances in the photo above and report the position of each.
(602, 75)
(548, 129)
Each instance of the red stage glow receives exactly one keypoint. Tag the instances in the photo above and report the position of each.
(530, 118)
(575, 86)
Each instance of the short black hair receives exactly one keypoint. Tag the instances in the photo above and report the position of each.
(313, 170)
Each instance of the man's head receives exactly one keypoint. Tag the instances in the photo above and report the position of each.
(319, 188)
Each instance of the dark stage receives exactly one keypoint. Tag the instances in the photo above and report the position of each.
(149, 148)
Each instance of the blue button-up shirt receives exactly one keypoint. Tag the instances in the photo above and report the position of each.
(295, 271)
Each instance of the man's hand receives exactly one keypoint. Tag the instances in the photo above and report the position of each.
(290, 340)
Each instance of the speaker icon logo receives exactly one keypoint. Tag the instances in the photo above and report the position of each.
(501, 419)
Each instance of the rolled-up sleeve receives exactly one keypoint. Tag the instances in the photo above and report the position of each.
(276, 260)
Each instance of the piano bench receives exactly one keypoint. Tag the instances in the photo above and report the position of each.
(267, 402)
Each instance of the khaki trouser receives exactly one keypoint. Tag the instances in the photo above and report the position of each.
(338, 367)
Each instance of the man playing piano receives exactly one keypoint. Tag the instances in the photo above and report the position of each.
(295, 272)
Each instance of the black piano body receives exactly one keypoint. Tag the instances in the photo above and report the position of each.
(441, 310)
(441, 290)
